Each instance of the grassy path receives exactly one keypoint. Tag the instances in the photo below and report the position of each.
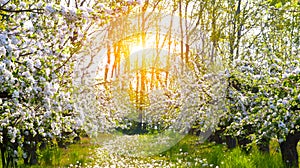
(187, 153)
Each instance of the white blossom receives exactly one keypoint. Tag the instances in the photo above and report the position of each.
(285, 102)
(39, 4)
(64, 10)
(139, 2)
(3, 2)
(72, 11)
(89, 9)
(101, 6)
(12, 7)
(29, 64)
(38, 63)
(124, 8)
(15, 94)
(2, 51)
(257, 77)
(7, 74)
(3, 39)
(24, 155)
(281, 124)
(85, 15)
(297, 71)
(22, 4)
(2, 66)
(41, 130)
(49, 8)
(26, 74)
(47, 71)
(16, 153)
(285, 75)
(28, 25)
(130, 1)
(48, 114)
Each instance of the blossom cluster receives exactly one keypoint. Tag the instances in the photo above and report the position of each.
(37, 48)
(264, 87)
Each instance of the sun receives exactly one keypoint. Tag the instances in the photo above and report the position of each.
(137, 45)
(137, 48)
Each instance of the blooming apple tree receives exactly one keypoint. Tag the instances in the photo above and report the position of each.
(38, 44)
(264, 92)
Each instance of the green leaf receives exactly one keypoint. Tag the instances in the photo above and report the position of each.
(278, 5)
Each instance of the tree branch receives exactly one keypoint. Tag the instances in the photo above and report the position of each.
(23, 10)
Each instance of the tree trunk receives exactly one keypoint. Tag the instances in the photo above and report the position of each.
(264, 145)
(181, 30)
(289, 150)
(216, 137)
(243, 141)
(2, 155)
(230, 142)
(33, 156)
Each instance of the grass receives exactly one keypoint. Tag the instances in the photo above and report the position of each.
(238, 158)
(187, 153)
(76, 154)
(220, 156)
